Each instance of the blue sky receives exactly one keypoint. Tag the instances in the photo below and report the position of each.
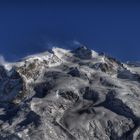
(110, 27)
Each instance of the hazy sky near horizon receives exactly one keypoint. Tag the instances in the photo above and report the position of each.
(105, 26)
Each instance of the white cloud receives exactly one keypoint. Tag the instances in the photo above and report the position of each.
(75, 42)
(2, 60)
(4, 63)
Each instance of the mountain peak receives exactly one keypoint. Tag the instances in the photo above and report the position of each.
(84, 52)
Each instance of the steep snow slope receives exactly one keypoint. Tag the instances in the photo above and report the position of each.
(69, 95)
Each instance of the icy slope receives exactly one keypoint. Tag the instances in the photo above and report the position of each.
(69, 95)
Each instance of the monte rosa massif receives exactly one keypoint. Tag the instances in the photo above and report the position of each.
(74, 94)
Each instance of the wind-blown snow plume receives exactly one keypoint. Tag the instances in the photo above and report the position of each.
(75, 42)
(3, 62)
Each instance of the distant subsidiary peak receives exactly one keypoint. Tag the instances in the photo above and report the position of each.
(83, 52)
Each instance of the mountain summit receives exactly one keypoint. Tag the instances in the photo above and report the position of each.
(69, 95)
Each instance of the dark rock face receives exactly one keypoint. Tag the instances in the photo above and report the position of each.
(69, 95)
(77, 96)
(11, 85)
(75, 72)
(90, 95)
(126, 74)
(3, 74)
(43, 88)
(83, 53)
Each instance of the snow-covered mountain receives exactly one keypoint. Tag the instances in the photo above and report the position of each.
(69, 95)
